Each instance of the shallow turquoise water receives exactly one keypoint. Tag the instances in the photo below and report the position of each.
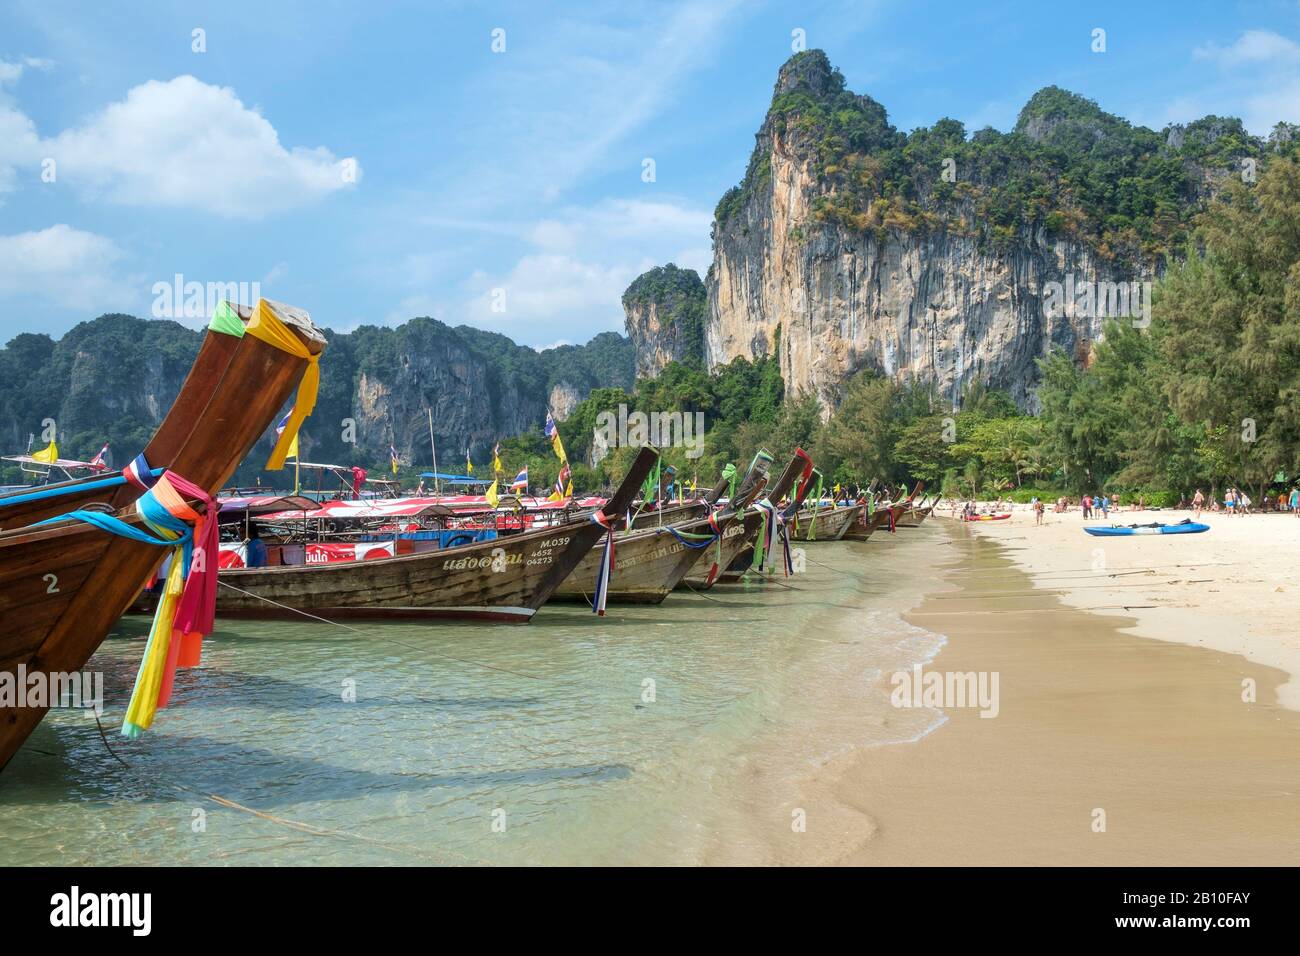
(574, 739)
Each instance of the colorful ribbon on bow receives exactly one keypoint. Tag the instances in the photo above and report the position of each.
(266, 325)
(817, 503)
(187, 606)
(729, 476)
(605, 565)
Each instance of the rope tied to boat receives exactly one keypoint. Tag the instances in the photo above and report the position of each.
(187, 607)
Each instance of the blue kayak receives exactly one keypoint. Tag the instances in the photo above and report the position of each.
(1183, 527)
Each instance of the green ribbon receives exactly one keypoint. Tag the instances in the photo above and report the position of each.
(226, 321)
(729, 476)
(817, 502)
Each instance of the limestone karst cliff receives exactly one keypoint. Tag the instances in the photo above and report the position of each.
(665, 310)
(113, 378)
(932, 255)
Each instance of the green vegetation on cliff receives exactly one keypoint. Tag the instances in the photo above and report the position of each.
(1067, 167)
(681, 303)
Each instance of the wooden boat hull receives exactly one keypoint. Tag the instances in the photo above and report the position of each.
(503, 579)
(831, 524)
(735, 569)
(650, 562)
(737, 539)
(912, 518)
(867, 525)
(65, 583)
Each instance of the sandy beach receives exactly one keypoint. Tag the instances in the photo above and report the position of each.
(1235, 588)
(1126, 730)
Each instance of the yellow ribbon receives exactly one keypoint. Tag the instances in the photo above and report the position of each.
(266, 325)
(144, 698)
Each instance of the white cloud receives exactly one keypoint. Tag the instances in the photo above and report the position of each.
(1253, 46)
(67, 267)
(19, 143)
(184, 144)
(1256, 82)
(571, 281)
(620, 220)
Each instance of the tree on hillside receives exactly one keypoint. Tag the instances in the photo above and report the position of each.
(1233, 317)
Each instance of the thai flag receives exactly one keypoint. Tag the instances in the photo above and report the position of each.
(521, 479)
(100, 461)
(284, 422)
(562, 482)
(550, 427)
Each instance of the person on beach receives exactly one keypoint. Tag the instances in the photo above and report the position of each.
(1105, 505)
(1229, 501)
(1243, 504)
(1295, 501)
(1086, 503)
(1198, 503)
(1038, 511)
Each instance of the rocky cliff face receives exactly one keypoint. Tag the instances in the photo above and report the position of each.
(933, 307)
(932, 256)
(115, 377)
(665, 312)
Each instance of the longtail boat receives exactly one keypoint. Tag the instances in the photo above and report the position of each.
(64, 584)
(865, 524)
(800, 469)
(817, 523)
(915, 516)
(649, 562)
(506, 578)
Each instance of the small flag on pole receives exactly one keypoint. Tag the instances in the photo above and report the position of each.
(392, 458)
(521, 479)
(279, 430)
(100, 461)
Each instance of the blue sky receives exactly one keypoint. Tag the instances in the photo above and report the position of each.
(372, 162)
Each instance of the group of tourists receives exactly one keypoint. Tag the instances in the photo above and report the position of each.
(1237, 502)
(1098, 506)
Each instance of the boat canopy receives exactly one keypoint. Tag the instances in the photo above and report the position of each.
(366, 510)
(369, 509)
(66, 464)
(455, 479)
(267, 504)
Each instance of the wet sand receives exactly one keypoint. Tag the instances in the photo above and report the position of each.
(1154, 734)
